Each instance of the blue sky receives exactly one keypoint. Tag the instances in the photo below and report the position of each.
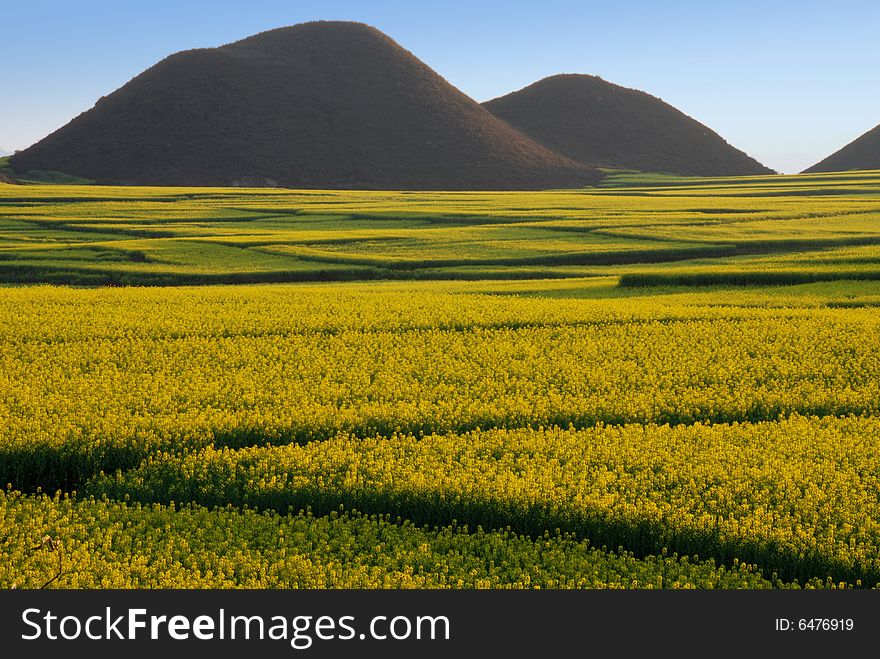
(788, 82)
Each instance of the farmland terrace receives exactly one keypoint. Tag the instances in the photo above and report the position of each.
(657, 383)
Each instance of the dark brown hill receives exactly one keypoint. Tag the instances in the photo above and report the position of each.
(320, 105)
(599, 123)
(861, 153)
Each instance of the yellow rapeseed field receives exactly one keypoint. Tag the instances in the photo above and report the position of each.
(642, 386)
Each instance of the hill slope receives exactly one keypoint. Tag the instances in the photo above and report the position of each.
(600, 123)
(326, 104)
(861, 153)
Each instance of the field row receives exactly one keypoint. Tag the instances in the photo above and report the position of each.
(64, 543)
(799, 497)
(85, 389)
(170, 236)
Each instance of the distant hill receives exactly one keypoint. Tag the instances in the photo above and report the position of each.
(317, 105)
(861, 153)
(600, 123)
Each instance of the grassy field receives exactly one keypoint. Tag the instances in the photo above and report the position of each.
(685, 232)
(657, 383)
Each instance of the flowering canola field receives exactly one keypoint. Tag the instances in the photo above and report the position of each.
(470, 409)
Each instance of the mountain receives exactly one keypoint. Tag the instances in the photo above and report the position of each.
(316, 105)
(603, 124)
(861, 153)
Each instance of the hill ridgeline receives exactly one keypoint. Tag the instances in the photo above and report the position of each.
(316, 105)
(861, 153)
(603, 124)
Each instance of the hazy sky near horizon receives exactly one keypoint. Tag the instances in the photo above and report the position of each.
(787, 81)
